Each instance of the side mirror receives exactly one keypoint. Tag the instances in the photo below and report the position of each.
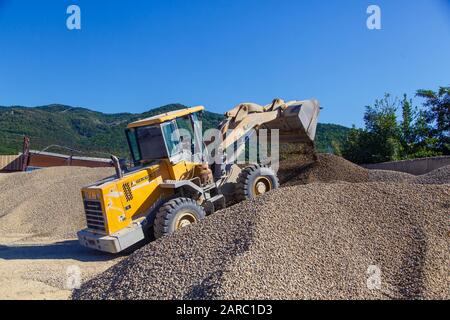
(123, 163)
(115, 161)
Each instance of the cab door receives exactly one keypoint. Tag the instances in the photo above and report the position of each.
(179, 164)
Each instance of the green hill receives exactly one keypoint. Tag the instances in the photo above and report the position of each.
(98, 134)
(330, 136)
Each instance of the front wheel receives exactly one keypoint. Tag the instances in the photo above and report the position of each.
(254, 181)
(176, 214)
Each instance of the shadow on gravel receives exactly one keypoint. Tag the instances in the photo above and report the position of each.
(70, 249)
(207, 289)
(410, 278)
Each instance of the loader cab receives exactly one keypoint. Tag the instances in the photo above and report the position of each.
(175, 135)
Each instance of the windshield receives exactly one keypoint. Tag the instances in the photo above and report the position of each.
(154, 142)
(172, 138)
(146, 143)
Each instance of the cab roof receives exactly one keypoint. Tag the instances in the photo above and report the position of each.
(165, 117)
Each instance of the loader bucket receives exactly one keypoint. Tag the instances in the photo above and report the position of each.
(297, 121)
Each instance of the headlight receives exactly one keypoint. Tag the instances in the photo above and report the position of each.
(91, 195)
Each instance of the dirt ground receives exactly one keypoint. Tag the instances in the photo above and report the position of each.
(41, 269)
(40, 257)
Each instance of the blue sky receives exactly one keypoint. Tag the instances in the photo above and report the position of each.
(131, 56)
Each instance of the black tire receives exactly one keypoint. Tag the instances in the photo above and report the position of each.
(175, 214)
(249, 179)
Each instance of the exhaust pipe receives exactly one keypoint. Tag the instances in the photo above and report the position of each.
(116, 164)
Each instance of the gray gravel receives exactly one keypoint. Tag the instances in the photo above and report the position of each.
(46, 202)
(330, 169)
(438, 176)
(390, 176)
(327, 169)
(312, 241)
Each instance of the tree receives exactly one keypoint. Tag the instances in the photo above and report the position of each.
(422, 132)
(407, 131)
(357, 148)
(437, 117)
(336, 147)
(380, 140)
(424, 143)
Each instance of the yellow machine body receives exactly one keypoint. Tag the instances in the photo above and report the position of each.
(113, 205)
(130, 198)
(117, 208)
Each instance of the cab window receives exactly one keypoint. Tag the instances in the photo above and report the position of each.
(172, 138)
(151, 143)
(186, 132)
(132, 142)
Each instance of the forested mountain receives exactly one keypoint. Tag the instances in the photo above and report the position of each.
(99, 134)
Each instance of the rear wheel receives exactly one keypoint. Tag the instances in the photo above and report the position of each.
(254, 181)
(176, 214)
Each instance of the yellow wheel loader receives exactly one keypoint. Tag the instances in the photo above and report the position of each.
(172, 186)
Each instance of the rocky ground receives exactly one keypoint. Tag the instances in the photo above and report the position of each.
(322, 235)
(321, 240)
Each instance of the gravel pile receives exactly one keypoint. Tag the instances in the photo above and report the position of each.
(313, 241)
(390, 176)
(328, 168)
(45, 202)
(438, 176)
